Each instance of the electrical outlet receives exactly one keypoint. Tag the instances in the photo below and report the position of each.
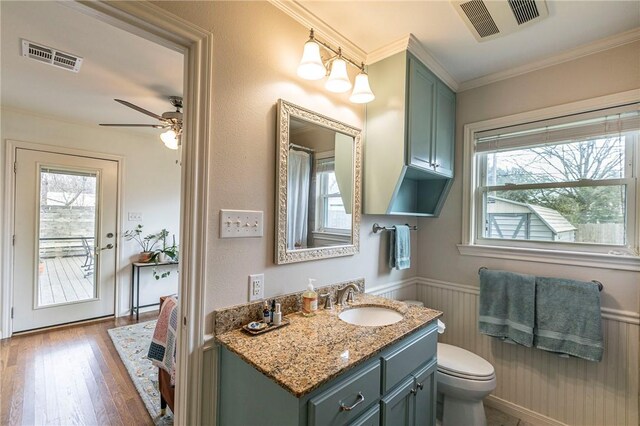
(256, 287)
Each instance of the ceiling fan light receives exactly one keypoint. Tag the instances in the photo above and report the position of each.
(338, 81)
(362, 93)
(170, 139)
(311, 66)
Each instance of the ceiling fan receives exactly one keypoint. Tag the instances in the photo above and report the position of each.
(170, 120)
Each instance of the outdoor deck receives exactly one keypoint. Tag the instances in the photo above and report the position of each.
(63, 281)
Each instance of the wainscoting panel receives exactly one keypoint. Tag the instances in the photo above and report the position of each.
(567, 390)
(401, 290)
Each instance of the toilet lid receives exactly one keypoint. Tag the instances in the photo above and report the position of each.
(460, 362)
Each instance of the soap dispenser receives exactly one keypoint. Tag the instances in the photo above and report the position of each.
(309, 300)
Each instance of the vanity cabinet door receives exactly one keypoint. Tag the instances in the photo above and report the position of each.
(420, 124)
(425, 395)
(398, 406)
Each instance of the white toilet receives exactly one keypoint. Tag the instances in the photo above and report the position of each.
(464, 379)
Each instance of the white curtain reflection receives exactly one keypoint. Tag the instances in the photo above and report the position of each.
(298, 199)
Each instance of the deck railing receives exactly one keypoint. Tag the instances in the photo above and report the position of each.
(65, 246)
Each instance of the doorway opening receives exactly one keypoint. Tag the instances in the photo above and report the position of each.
(190, 228)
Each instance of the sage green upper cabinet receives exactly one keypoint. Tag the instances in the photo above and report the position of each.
(409, 145)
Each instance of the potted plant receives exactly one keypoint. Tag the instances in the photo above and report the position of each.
(165, 254)
(147, 243)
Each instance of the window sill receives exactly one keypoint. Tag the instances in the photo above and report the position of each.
(591, 260)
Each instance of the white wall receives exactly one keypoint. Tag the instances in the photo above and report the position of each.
(151, 182)
(256, 53)
(571, 391)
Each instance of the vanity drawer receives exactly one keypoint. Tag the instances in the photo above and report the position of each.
(400, 362)
(370, 418)
(357, 392)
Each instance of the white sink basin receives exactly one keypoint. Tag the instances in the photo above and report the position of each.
(370, 316)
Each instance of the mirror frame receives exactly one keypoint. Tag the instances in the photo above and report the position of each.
(286, 111)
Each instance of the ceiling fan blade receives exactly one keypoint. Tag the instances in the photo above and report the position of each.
(142, 110)
(155, 126)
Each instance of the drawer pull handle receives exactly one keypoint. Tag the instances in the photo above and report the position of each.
(359, 401)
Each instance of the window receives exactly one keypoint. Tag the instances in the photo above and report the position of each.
(330, 212)
(565, 184)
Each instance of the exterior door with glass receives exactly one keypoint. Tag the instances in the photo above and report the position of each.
(64, 263)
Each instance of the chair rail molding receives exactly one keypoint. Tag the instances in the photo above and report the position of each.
(156, 24)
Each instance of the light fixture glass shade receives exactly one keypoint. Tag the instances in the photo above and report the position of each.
(311, 66)
(170, 139)
(361, 91)
(338, 81)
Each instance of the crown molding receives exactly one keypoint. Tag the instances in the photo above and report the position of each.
(322, 30)
(410, 42)
(568, 55)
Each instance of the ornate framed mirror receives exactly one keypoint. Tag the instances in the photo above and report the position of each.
(318, 186)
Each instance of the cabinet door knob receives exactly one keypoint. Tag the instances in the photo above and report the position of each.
(436, 165)
(359, 401)
(420, 386)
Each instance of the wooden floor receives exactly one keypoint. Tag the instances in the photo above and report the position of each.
(68, 376)
(63, 280)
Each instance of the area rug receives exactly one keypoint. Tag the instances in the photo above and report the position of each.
(132, 343)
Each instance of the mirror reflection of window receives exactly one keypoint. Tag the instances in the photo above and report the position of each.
(331, 215)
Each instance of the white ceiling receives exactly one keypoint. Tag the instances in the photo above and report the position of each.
(371, 25)
(116, 64)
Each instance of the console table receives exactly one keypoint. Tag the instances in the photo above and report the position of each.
(135, 284)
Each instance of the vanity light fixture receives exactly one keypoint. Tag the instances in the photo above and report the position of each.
(312, 67)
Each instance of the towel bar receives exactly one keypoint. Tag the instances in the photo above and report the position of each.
(377, 228)
(598, 283)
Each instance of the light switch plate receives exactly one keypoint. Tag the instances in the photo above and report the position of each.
(135, 217)
(241, 223)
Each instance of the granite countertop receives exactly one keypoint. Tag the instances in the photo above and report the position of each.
(310, 351)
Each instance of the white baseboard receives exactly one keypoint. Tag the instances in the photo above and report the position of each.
(521, 412)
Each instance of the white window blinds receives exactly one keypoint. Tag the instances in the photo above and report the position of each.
(571, 128)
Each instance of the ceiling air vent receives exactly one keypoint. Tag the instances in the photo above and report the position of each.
(51, 56)
(480, 18)
(491, 19)
(524, 10)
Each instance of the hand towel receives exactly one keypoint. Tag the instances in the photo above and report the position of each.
(162, 351)
(400, 248)
(507, 305)
(568, 318)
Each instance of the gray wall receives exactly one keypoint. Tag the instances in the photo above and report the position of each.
(612, 71)
(250, 74)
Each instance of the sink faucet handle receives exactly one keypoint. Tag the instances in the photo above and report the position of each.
(328, 303)
(350, 296)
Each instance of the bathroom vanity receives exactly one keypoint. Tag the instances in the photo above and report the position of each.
(324, 371)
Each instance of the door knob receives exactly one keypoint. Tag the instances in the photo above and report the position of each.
(107, 247)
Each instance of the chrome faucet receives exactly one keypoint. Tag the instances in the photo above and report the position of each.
(347, 289)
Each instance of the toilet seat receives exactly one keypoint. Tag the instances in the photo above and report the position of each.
(458, 362)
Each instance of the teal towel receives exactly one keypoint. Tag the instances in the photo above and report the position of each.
(507, 306)
(400, 248)
(568, 318)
